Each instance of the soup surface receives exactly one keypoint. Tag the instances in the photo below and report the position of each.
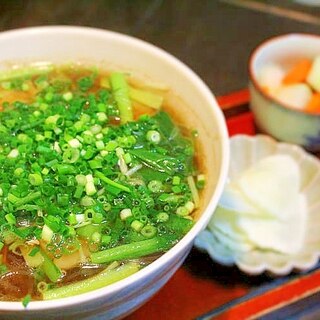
(96, 180)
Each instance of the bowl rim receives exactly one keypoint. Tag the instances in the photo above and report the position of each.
(188, 239)
(252, 57)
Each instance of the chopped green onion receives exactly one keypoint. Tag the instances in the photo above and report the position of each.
(35, 179)
(97, 217)
(182, 211)
(190, 206)
(95, 164)
(45, 171)
(34, 251)
(46, 234)
(6, 85)
(127, 158)
(67, 96)
(11, 219)
(111, 145)
(81, 179)
(71, 155)
(99, 145)
(26, 300)
(52, 120)
(25, 87)
(176, 180)
(23, 138)
(96, 129)
(14, 153)
(17, 172)
(176, 189)
(155, 186)
(201, 180)
(42, 286)
(88, 214)
(102, 117)
(74, 143)
(153, 136)
(110, 182)
(3, 269)
(105, 239)
(63, 199)
(99, 136)
(136, 225)
(96, 237)
(162, 217)
(56, 146)
(149, 231)
(87, 201)
(50, 269)
(125, 213)
(78, 192)
(72, 219)
(48, 97)
(27, 199)
(90, 187)
(65, 169)
(107, 207)
(121, 95)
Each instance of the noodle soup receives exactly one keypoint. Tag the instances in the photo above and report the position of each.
(97, 179)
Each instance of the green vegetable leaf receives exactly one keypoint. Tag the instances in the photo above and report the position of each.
(26, 300)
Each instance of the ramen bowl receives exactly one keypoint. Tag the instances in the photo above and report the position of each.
(271, 116)
(112, 50)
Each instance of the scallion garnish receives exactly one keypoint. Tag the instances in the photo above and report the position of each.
(82, 179)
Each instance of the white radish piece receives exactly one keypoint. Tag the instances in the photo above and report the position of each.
(270, 76)
(216, 249)
(232, 244)
(286, 237)
(271, 184)
(295, 96)
(224, 225)
(233, 199)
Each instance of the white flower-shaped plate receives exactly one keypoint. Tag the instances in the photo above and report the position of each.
(245, 151)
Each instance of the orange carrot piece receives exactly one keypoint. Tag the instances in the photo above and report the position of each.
(298, 73)
(314, 103)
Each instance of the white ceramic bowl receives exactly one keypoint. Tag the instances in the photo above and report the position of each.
(273, 118)
(245, 152)
(61, 44)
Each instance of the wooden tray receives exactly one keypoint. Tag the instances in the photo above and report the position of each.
(202, 289)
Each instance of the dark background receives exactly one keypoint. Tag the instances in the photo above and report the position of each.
(213, 37)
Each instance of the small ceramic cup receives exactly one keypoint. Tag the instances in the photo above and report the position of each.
(271, 117)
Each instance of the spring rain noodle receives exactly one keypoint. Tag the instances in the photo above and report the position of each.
(96, 182)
